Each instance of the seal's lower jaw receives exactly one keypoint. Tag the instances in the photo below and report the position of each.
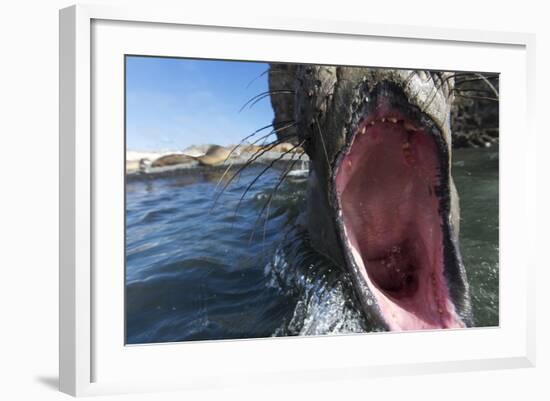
(387, 184)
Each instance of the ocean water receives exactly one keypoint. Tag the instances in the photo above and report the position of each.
(203, 270)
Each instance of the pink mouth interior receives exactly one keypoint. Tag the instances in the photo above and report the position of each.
(386, 189)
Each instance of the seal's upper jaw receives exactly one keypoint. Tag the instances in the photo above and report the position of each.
(388, 183)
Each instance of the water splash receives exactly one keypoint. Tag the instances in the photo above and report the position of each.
(322, 293)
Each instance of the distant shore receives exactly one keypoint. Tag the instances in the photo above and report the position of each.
(152, 163)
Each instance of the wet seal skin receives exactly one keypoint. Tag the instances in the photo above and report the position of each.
(172, 160)
(214, 156)
(381, 201)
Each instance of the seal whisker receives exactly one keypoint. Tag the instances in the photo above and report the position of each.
(270, 165)
(234, 149)
(324, 145)
(272, 194)
(248, 137)
(265, 207)
(264, 73)
(409, 78)
(477, 97)
(480, 77)
(461, 77)
(244, 139)
(479, 91)
(491, 88)
(256, 78)
(263, 95)
(473, 77)
(253, 158)
(442, 82)
(269, 95)
(275, 131)
(489, 84)
(435, 90)
(281, 179)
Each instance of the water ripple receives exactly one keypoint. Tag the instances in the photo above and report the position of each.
(196, 270)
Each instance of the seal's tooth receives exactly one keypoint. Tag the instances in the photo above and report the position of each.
(408, 126)
(392, 120)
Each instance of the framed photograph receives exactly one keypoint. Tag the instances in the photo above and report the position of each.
(271, 200)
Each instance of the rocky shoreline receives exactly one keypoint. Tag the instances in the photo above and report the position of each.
(143, 165)
(474, 119)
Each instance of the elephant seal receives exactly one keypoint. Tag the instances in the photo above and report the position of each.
(172, 160)
(215, 155)
(249, 148)
(381, 202)
(284, 147)
(197, 150)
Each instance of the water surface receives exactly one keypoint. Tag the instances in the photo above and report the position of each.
(238, 269)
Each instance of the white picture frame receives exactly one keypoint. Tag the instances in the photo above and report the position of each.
(92, 354)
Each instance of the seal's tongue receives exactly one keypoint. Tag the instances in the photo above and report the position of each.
(387, 186)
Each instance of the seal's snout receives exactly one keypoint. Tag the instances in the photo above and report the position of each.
(381, 202)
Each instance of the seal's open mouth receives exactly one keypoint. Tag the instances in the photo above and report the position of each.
(388, 184)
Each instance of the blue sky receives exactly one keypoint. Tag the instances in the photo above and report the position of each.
(172, 103)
